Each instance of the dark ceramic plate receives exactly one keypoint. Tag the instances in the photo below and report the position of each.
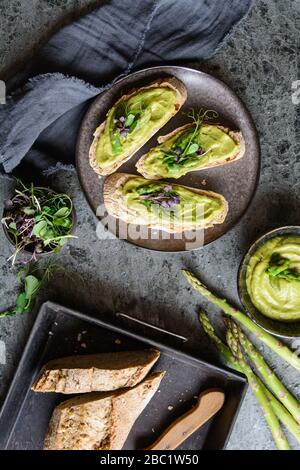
(236, 181)
(279, 328)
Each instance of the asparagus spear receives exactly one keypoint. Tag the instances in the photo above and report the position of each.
(283, 415)
(273, 423)
(222, 347)
(273, 343)
(281, 412)
(270, 377)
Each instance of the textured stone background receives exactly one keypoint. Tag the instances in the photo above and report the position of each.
(260, 62)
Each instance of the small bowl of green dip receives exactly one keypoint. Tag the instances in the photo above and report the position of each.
(269, 281)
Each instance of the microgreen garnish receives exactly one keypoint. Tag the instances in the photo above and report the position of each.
(125, 121)
(164, 196)
(121, 126)
(280, 268)
(188, 146)
(115, 142)
(30, 285)
(38, 220)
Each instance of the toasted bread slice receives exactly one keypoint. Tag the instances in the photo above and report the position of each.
(236, 136)
(168, 82)
(95, 372)
(116, 206)
(99, 421)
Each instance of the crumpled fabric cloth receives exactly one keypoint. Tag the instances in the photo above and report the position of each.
(40, 121)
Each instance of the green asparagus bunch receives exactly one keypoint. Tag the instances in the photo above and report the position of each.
(258, 387)
(277, 346)
(280, 440)
(270, 378)
(242, 355)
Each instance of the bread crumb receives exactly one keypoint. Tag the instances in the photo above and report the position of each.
(203, 182)
(83, 345)
(170, 408)
(118, 341)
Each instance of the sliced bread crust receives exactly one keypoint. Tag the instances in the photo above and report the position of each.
(116, 207)
(99, 421)
(168, 82)
(95, 372)
(235, 135)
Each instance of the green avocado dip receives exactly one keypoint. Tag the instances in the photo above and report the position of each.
(162, 203)
(130, 123)
(189, 150)
(273, 278)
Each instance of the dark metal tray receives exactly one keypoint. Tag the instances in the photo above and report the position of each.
(25, 415)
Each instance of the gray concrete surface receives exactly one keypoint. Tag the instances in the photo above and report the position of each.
(260, 62)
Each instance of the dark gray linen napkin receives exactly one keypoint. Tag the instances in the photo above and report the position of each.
(40, 121)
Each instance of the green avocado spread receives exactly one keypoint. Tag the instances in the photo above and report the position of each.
(273, 278)
(163, 202)
(190, 150)
(130, 123)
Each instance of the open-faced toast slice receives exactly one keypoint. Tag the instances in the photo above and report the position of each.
(173, 208)
(214, 145)
(99, 421)
(132, 121)
(95, 372)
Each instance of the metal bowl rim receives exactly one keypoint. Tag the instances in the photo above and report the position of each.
(253, 247)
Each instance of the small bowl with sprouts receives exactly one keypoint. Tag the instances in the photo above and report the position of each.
(37, 221)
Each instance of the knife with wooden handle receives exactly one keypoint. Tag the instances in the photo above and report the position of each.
(209, 403)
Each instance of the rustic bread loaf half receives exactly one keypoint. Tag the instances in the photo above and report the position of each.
(99, 421)
(95, 372)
